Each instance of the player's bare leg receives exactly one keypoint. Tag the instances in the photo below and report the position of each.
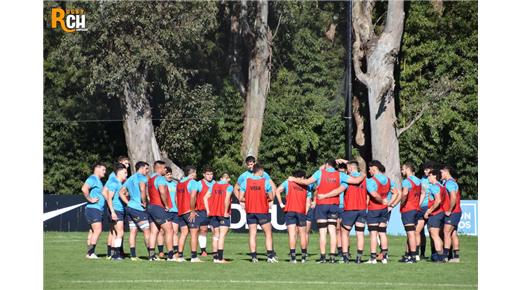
(268, 232)
(345, 243)
(167, 228)
(252, 242)
(455, 246)
(132, 239)
(222, 231)
(291, 231)
(360, 235)
(322, 228)
(203, 232)
(154, 231)
(437, 241)
(215, 237)
(420, 237)
(160, 242)
(448, 231)
(333, 239)
(194, 241)
(384, 242)
(182, 241)
(96, 231)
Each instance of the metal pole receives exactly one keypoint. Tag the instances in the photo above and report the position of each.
(348, 84)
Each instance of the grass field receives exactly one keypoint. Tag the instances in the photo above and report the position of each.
(65, 267)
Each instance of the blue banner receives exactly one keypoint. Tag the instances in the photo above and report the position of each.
(467, 224)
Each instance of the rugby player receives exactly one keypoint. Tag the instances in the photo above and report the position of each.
(354, 214)
(409, 206)
(379, 209)
(158, 207)
(92, 190)
(121, 161)
(202, 220)
(297, 203)
(435, 213)
(452, 214)
(173, 214)
(420, 236)
(117, 211)
(342, 167)
(256, 192)
(327, 180)
(217, 202)
(186, 198)
(137, 188)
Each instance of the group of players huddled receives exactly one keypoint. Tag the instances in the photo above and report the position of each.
(338, 197)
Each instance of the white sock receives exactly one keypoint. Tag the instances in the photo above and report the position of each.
(202, 241)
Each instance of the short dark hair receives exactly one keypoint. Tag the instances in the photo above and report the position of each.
(428, 165)
(257, 167)
(207, 168)
(342, 166)
(331, 162)
(98, 164)
(168, 169)
(250, 159)
(122, 158)
(140, 164)
(436, 173)
(158, 162)
(119, 168)
(299, 173)
(119, 165)
(450, 169)
(377, 164)
(409, 165)
(189, 169)
(353, 162)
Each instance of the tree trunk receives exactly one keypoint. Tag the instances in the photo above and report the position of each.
(258, 83)
(380, 52)
(235, 59)
(139, 132)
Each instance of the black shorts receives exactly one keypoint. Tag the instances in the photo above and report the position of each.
(258, 218)
(350, 217)
(157, 214)
(220, 221)
(295, 218)
(93, 215)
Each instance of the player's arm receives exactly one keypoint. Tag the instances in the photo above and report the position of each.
(423, 194)
(227, 203)
(236, 191)
(306, 181)
(356, 180)
(436, 204)
(206, 201)
(163, 190)
(144, 193)
(123, 194)
(333, 193)
(404, 196)
(278, 194)
(110, 195)
(339, 161)
(378, 197)
(307, 205)
(396, 197)
(86, 192)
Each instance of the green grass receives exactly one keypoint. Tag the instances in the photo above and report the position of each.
(65, 267)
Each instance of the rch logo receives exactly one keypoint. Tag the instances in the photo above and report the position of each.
(70, 20)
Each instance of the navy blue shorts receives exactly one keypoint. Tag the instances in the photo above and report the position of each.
(157, 214)
(93, 215)
(350, 217)
(453, 219)
(409, 217)
(310, 214)
(327, 212)
(436, 221)
(421, 212)
(120, 216)
(220, 221)
(295, 218)
(340, 211)
(378, 216)
(258, 218)
(136, 216)
(183, 220)
(202, 218)
(173, 216)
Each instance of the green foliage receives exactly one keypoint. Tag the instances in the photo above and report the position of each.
(436, 48)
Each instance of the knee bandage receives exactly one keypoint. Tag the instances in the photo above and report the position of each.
(118, 242)
(322, 225)
(144, 225)
(360, 229)
(131, 224)
(382, 229)
(373, 228)
(409, 228)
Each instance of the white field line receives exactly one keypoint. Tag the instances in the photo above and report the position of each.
(274, 282)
